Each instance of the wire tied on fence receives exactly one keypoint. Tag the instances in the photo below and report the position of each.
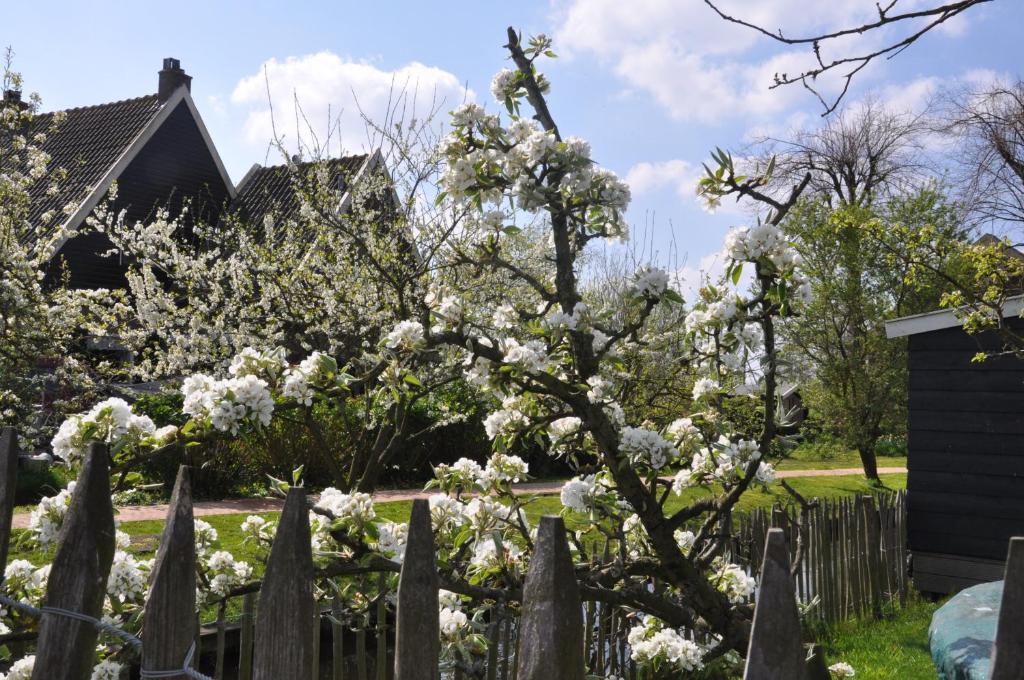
(37, 612)
(136, 643)
(186, 669)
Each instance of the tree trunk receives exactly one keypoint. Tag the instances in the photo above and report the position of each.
(868, 460)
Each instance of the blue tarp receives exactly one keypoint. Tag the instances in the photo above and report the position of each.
(963, 630)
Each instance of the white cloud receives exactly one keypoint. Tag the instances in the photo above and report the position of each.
(702, 68)
(331, 91)
(678, 175)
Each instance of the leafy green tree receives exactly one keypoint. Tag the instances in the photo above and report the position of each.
(859, 282)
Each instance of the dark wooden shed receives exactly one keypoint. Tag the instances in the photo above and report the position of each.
(965, 487)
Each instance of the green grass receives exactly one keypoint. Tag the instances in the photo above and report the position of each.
(230, 538)
(811, 458)
(894, 648)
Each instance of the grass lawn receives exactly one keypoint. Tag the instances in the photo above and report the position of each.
(810, 458)
(892, 649)
(230, 538)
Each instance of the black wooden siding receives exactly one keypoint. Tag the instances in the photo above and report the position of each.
(966, 446)
(174, 164)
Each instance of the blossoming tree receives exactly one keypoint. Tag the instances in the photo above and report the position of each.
(550, 366)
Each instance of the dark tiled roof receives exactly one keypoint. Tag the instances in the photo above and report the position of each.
(86, 145)
(266, 190)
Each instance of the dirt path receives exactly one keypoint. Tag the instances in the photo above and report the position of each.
(253, 505)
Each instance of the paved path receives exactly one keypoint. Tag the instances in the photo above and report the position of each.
(234, 506)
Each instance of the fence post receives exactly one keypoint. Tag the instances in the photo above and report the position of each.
(776, 649)
(551, 629)
(8, 486)
(169, 621)
(1008, 652)
(284, 615)
(817, 667)
(78, 576)
(417, 633)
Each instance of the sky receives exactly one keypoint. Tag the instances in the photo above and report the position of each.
(654, 85)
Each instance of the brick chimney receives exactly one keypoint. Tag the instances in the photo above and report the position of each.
(171, 78)
(13, 98)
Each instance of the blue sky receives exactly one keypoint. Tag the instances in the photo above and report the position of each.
(653, 84)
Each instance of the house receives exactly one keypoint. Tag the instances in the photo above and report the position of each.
(160, 154)
(158, 151)
(965, 485)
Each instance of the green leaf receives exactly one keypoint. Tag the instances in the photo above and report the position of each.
(673, 296)
(737, 272)
(412, 380)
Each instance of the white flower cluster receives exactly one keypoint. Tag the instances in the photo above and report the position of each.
(205, 536)
(46, 518)
(405, 336)
(531, 355)
(502, 469)
(111, 421)
(841, 670)
(258, 529)
(21, 669)
(24, 581)
(267, 364)
(222, 572)
(227, 404)
(724, 462)
(763, 241)
(646, 447)
(651, 645)
(504, 422)
(580, 493)
(392, 538)
(730, 579)
(452, 622)
(683, 434)
(354, 509)
(299, 380)
(504, 84)
(129, 578)
(487, 555)
(705, 387)
(651, 282)
(563, 428)
(107, 670)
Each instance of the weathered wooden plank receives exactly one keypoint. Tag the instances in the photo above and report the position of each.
(986, 401)
(775, 650)
(551, 627)
(968, 443)
(417, 635)
(78, 578)
(245, 636)
(169, 621)
(1008, 652)
(8, 486)
(958, 421)
(284, 645)
(959, 381)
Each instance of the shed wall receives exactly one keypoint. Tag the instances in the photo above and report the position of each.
(966, 457)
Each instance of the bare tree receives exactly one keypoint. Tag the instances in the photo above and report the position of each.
(850, 63)
(865, 153)
(987, 125)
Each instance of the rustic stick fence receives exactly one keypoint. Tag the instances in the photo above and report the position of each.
(557, 635)
(854, 552)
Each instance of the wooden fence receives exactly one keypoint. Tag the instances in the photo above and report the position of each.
(554, 637)
(853, 552)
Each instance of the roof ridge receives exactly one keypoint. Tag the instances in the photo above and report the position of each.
(349, 157)
(96, 106)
